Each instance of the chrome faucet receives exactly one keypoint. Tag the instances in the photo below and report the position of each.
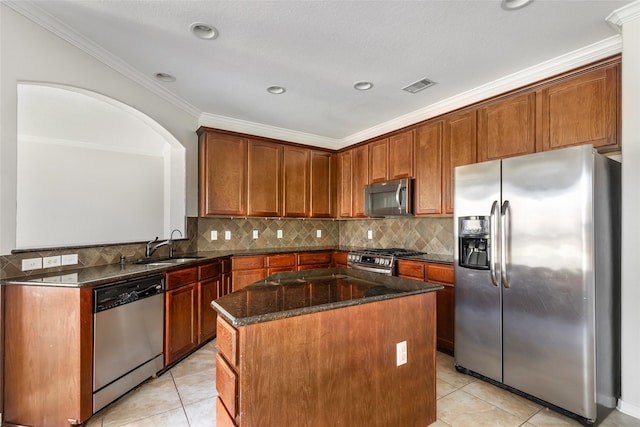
(151, 248)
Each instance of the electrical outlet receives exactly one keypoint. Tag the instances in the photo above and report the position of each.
(318, 233)
(279, 234)
(227, 235)
(369, 234)
(31, 264)
(69, 259)
(51, 261)
(214, 234)
(401, 353)
(255, 234)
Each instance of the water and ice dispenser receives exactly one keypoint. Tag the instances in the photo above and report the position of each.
(474, 242)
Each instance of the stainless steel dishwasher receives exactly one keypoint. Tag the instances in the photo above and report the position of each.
(127, 336)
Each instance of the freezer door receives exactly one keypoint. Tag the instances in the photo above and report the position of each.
(548, 288)
(478, 321)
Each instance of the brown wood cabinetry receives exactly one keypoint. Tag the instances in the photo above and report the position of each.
(339, 259)
(280, 263)
(226, 284)
(246, 270)
(507, 128)
(296, 180)
(48, 356)
(360, 179)
(379, 160)
(401, 156)
(323, 185)
(345, 184)
(459, 148)
(222, 174)
(583, 110)
(306, 354)
(264, 194)
(210, 279)
(428, 182)
(311, 260)
(442, 274)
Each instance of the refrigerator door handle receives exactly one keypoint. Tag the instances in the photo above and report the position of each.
(494, 244)
(504, 239)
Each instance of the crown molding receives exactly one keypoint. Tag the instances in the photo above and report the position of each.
(36, 14)
(627, 13)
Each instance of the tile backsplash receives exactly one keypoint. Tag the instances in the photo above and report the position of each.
(433, 235)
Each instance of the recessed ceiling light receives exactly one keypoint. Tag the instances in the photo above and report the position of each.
(276, 90)
(362, 85)
(515, 4)
(165, 77)
(204, 31)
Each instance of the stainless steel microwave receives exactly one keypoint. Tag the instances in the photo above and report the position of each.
(389, 198)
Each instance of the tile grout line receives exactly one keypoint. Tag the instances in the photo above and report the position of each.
(180, 397)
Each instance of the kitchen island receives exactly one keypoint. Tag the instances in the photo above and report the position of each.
(327, 347)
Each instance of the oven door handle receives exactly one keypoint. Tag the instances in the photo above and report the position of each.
(388, 272)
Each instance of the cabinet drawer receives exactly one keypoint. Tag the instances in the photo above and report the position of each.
(309, 258)
(440, 273)
(247, 262)
(227, 385)
(281, 260)
(340, 259)
(209, 270)
(178, 278)
(223, 419)
(227, 341)
(411, 269)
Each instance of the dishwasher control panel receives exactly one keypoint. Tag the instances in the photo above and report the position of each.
(117, 294)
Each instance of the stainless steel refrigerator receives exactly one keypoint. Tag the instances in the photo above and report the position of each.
(537, 276)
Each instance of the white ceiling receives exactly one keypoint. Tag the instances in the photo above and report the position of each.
(318, 49)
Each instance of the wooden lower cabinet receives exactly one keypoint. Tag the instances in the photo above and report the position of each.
(316, 368)
(442, 274)
(339, 259)
(313, 260)
(280, 263)
(246, 270)
(48, 355)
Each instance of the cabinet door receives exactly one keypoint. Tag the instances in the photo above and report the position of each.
(428, 182)
(345, 183)
(360, 179)
(264, 188)
(459, 148)
(222, 174)
(445, 303)
(414, 270)
(242, 278)
(181, 325)
(379, 160)
(401, 156)
(582, 110)
(296, 181)
(323, 184)
(507, 128)
(208, 292)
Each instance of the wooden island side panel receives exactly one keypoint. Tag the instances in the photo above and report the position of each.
(338, 367)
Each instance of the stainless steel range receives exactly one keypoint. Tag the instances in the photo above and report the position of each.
(378, 260)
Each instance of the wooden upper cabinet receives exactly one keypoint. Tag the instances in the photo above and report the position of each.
(296, 168)
(360, 179)
(458, 148)
(428, 182)
(507, 128)
(222, 174)
(379, 160)
(345, 184)
(401, 154)
(582, 110)
(323, 185)
(264, 187)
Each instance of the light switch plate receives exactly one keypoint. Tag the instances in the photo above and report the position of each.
(318, 233)
(369, 234)
(279, 234)
(227, 235)
(51, 261)
(255, 234)
(401, 353)
(214, 234)
(69, 259)
(31, 264)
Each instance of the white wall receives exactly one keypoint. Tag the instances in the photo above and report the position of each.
(630, 401)
(29, 53)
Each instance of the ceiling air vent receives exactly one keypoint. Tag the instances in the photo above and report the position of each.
(419, 85)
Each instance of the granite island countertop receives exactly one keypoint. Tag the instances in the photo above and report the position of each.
(297, 293)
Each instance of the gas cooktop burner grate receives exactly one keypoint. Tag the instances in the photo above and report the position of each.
(395, 252)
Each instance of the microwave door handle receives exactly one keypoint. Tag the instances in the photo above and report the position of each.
(398, 196)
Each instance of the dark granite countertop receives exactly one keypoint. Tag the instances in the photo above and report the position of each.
(98, 275)
(291, 294)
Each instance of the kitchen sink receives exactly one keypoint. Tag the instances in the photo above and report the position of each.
(161, 261)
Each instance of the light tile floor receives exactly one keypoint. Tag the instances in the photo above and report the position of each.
(185, 396)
